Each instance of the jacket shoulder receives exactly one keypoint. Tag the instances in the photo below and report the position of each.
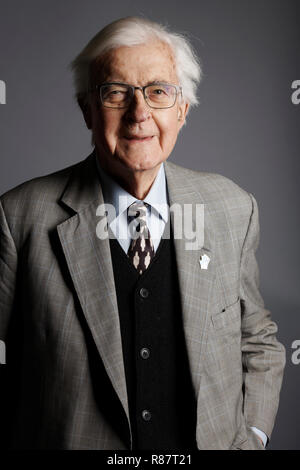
(39, 192)
(212, 186)
(50, 184)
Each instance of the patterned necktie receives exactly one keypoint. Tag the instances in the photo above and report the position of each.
(141, 250)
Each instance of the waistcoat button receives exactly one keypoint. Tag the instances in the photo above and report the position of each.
(144, 293)
(145, 353)
(146, 415)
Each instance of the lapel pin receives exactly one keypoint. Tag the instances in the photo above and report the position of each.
(204, 261)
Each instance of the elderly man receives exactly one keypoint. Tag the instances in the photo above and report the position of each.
(119, 333)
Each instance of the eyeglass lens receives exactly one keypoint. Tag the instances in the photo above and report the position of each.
(157, 96)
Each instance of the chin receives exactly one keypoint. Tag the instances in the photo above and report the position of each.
(140, 163)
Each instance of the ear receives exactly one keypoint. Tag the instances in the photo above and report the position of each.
(85, 107)
(182, 112)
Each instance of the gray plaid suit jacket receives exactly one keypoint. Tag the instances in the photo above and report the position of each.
(58, 300)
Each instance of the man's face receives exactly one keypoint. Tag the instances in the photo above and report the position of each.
(114, 129)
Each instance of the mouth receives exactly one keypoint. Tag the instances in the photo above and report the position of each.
(135, 138)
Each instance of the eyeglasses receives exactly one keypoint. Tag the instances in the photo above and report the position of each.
(119, 95)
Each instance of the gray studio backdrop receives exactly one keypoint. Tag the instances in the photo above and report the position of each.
(246, 127)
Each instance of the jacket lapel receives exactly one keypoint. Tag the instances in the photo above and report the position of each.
(196, 283)
(89, 262)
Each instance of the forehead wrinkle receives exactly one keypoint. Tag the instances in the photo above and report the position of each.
(107, 67)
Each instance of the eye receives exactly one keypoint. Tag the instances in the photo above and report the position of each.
(107, 93)
(158, 91)
(114, 93)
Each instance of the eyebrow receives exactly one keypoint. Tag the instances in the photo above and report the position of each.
(156, 80)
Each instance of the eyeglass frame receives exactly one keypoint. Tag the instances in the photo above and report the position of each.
(178, 89)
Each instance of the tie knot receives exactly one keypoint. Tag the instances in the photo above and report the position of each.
(138, 210)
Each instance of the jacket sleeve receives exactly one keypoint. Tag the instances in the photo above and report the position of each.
(8, 279)
(263, 356)
(8, 274)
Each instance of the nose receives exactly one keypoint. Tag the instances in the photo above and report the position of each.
(138, 110)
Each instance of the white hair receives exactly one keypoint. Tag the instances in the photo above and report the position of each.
(132, 31)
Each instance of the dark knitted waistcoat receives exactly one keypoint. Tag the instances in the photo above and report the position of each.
(161, 397)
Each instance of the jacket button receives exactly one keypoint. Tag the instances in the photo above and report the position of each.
(144, 293)
(145, 353)
(146, 415)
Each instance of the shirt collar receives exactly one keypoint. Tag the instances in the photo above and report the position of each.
(114, 194)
